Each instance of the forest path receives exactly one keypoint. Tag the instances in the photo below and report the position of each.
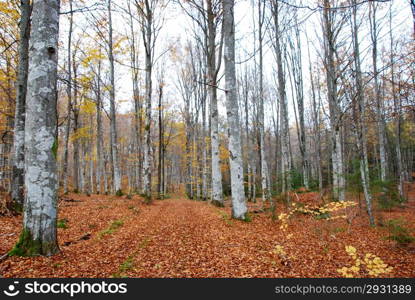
(108, 236)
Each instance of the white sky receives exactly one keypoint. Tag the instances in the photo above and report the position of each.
(177, 26)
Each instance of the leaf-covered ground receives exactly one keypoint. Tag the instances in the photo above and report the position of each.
(109, 236)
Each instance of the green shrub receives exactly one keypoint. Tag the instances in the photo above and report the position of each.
(296, 179)
(398, 232)
(322, 216)
(387, 194)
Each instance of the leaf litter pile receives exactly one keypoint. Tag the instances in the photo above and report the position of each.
(108, 236)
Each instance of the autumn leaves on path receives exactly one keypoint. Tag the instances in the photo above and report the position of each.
(104, 236)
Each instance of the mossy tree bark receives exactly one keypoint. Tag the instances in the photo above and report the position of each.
(39, 236)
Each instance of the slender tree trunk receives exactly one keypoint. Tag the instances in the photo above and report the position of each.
(76, 126)
(361, 131)
(263, 165)
(248, 140)
(99, 145)
(397, 108)
(137, 104)
(161, 144)
(378, 97)
(188, 152)
(217, 190)
(285, 134)
(316, 123)
(39, 235)
(20, 109)
(204, 150)
(148, 35)
(113, 120)
(299, 91)
(335, 112)
(91, 185)
(69, 104)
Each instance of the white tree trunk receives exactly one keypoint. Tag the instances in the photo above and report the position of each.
(113, 121)
(361, 131)
(239, 208)
(147, 31)
(332, 75)
(264, 167)
(217, 190)
(337, 159)
(39, 235)
(379, 101)
(285, 130)
(100, 159)
(19, 118)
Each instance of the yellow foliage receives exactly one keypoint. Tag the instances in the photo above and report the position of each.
(315, 210)
(88, 106)
(80, 133)
(93, 56)
(374, 265)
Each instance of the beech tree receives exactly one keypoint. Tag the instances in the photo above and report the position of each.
(360, 118)
(39, 236)
(239, 208)
(113, 133)
(331, 26)
(20, 108)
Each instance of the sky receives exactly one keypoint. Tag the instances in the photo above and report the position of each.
(176, 30)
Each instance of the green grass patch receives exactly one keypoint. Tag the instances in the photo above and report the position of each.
(128, 264)
(62, 223)
(115, 225)
(248, 218)
(225, 217)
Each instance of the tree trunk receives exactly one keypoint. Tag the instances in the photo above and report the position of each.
(239, 208)
(113, 121)
(361, 131)
(378, 97)
(99, 145)
(217, 191)
(69, 104)
(285, 134)
(161, 144)
(397, 111)
(147, 35)
(20, 109)
(335, 112)
(39, 235)
(76, 126)
(263, 164)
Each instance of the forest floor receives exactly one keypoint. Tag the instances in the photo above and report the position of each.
(108, 236)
